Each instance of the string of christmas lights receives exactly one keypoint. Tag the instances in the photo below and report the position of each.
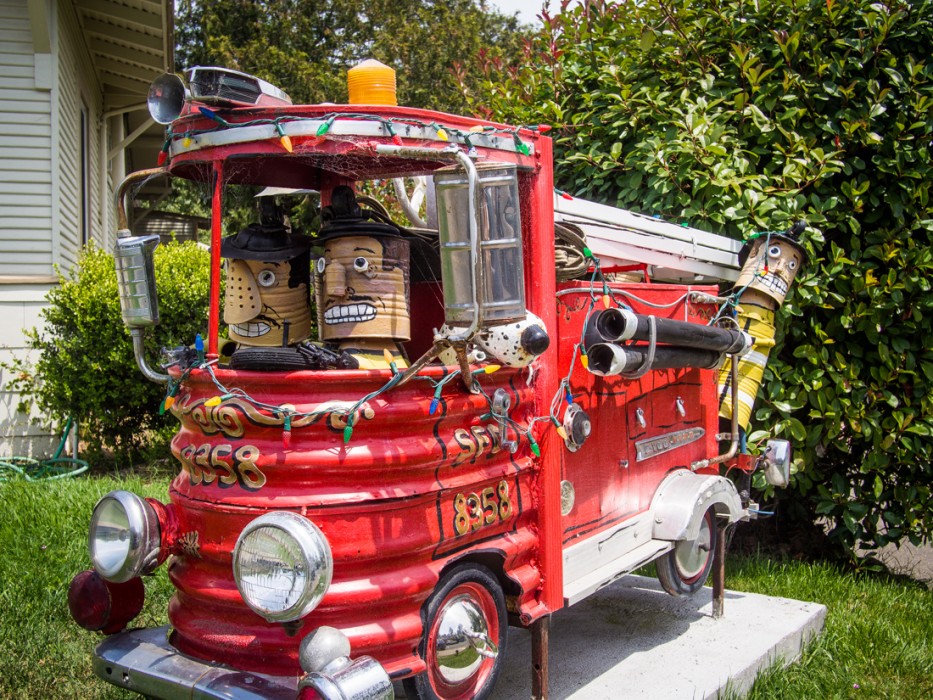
(563, 395)
(443, 132)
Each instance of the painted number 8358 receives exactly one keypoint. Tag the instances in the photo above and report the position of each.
(475, 510)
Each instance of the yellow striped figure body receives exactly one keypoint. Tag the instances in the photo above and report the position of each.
(769, 265)
(758, 322)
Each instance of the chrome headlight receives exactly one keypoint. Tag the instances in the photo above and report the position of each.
(282, 566)
(124, 537)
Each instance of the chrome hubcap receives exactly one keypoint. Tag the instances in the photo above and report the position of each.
(462, 640)
(692, 555)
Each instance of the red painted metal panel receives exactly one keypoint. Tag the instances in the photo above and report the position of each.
(538, 212)
(213, 319)
(406, 495)
(609, 480)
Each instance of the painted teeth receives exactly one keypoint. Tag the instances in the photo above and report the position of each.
(250, 330)
(350, 313)
(775, 284)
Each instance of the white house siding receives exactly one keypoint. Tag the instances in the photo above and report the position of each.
(40, 194)
(25, 151)
(25, 212)
(19, 309)
(47, 74)
(77, 86)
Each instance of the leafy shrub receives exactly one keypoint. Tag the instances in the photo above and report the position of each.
(85, 366)
(738, 117)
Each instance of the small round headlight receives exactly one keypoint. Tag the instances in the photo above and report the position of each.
(124, 537)
(282, 566)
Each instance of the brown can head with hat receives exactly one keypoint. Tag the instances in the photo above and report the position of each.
(363, 280)
(363, 274)
(267, 301)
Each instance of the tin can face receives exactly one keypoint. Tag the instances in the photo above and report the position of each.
(363, 288)
(265, 305)
(770, 269)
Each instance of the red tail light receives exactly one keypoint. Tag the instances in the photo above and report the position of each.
(100, 605)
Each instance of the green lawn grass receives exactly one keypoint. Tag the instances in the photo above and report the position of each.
(878, 640)
(43, 544)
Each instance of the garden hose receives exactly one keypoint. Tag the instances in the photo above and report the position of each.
(56, 467)
(569, 256)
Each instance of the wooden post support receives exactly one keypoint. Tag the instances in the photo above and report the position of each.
(719, 572)
(539, 658)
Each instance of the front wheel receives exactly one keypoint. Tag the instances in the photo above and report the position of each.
(464, 638)
(684, 570)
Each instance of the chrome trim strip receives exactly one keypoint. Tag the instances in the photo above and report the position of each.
(652, 447)
(143, 661)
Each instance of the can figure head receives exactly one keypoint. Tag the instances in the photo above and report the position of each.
(364, 287)
(267, 301)
(771, 263)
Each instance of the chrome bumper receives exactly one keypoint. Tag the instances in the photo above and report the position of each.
(143, 661)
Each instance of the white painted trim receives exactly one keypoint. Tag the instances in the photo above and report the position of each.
(42, 71)
(117, 175)
(103, 166)
(86, 157)
(168, 35)
(28, 279)
(39, 25)
(41, 43)
(123, 110)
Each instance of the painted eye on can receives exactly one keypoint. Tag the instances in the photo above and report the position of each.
(320, 265)
(791, 264)
(266, 278)
(774, 251)
(360, 264)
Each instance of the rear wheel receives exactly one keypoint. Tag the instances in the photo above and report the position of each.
(464, 638)
(684, 570)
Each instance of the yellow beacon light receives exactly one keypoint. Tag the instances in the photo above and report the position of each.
(371, 83)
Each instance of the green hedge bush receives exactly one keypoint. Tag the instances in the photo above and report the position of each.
(738, 117)
(85, 368)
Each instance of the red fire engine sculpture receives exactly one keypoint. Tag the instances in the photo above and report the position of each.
(519, 444)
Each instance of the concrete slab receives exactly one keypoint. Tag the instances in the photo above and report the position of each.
(909, 560)
(633, 640)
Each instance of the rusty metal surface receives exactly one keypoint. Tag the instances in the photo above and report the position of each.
(540, 639)
(719, 571)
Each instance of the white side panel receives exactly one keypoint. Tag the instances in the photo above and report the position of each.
(25, 151)
(673, 253)
(600, 559)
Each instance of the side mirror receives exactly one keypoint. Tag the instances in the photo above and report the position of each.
(776, 463)
(139, 301)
